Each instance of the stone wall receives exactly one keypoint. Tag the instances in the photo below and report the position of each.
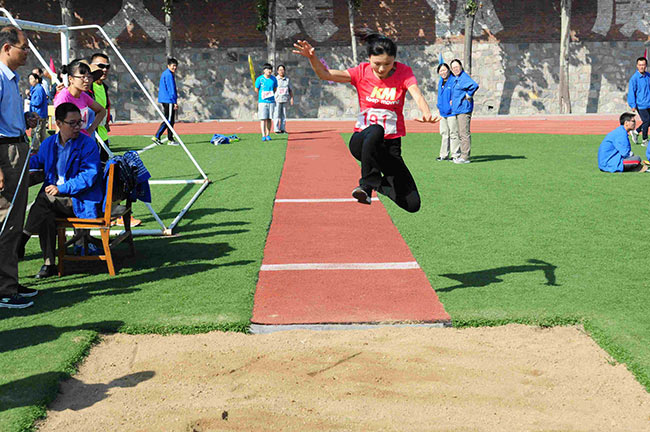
(516, 79)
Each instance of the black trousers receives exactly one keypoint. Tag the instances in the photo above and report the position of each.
(383, 169)
(170, 115)
(42, 220)
(645, 122)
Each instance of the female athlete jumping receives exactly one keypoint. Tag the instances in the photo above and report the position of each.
(381, 85)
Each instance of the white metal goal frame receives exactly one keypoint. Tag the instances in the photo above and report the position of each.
(64, 31)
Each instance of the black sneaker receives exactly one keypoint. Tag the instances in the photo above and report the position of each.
(26, 292)
(361, 195)
(46, 271)
(16, 301)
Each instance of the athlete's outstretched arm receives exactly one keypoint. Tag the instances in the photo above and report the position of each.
(427, 117)
(305, 49)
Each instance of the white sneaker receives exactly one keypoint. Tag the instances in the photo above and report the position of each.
(635, 136)
(172, 143)
(460, 160)
(644, 143)
(156, 140)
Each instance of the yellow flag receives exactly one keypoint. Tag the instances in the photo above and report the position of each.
(250, 66)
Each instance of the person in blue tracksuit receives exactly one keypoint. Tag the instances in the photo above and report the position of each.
(168, 97)
(73, 185)
(450, 146)
(38, 104)
(638, 98)
(615, 153)
(462, 105)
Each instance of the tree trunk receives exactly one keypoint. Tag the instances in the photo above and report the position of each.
(270, 34)
(565, 96)
(169, 47)
(352, 38)
(469, 35)
(67, 17)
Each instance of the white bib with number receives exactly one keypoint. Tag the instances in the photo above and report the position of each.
(267, 94)
(282, 91)
(383, 117)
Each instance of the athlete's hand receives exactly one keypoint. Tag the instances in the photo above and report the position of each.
(303, 48)
(51, 190)
(428, 118)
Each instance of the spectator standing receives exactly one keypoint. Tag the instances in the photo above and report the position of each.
(99, 92)
(81, 79)
(44, 82)
(266, 84)
(38, 104)
(168, 98)
(638, 98)
(14, 151)
(283, 96)
(462, 106)
(450, 146)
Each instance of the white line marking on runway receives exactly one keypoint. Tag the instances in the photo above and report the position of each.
(317, 200)
(342, 266)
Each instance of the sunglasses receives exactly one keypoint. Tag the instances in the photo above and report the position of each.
(103, 65)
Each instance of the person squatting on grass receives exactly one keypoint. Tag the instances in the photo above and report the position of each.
(168, 98)
(450, 145)
(462, 105)
(283, 96)
(381, 85)
(615, 153)
(638, 98)
(266, 85)
(72, 185)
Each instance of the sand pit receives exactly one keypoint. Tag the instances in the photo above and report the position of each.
(404, 379)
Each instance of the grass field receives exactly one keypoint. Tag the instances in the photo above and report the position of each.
(530, 232)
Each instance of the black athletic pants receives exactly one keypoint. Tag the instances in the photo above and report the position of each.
(383, 169)
(170, 115)
(645, 122)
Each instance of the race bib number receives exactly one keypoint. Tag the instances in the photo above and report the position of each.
(87, 117)
(283, 91)
(267, 94)
(385, 118)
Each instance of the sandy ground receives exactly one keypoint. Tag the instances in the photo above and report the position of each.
(513, 378)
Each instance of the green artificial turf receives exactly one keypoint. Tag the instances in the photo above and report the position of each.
(532, 232)
(203, 279)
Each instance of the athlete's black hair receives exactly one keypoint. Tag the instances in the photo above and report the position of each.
(267, 66)
(36, 76)
(281, 66)
(625, 117)
(171, 61)
(61, 111)
(377, 43)
(98, 54)
(642, 59)
(445, 65)
(9, 35)
(456, 61)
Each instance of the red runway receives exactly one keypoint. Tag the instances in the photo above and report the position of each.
(335, 262)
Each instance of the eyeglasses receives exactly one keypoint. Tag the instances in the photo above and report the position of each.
(83, 77)
(24, 47)
(77, 123)
(103, 65)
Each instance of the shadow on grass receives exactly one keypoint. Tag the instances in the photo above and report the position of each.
(492, 158)
(29, 336)
(31, 390)
(483, 278)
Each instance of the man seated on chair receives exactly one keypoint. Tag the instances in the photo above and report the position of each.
(615, 153)
(73, 185)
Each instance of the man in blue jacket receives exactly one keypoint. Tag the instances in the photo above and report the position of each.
(73, 185)
(638, 98)
(168, 98)
(462, 106)
(615, 153)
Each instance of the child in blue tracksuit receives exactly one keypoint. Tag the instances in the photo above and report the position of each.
(615, 153)
(168, 98)
(462, 105)
(450, 145)
(266, 85)
(38, 105)
(638, 98)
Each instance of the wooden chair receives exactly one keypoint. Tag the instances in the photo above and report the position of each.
(112, 211)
